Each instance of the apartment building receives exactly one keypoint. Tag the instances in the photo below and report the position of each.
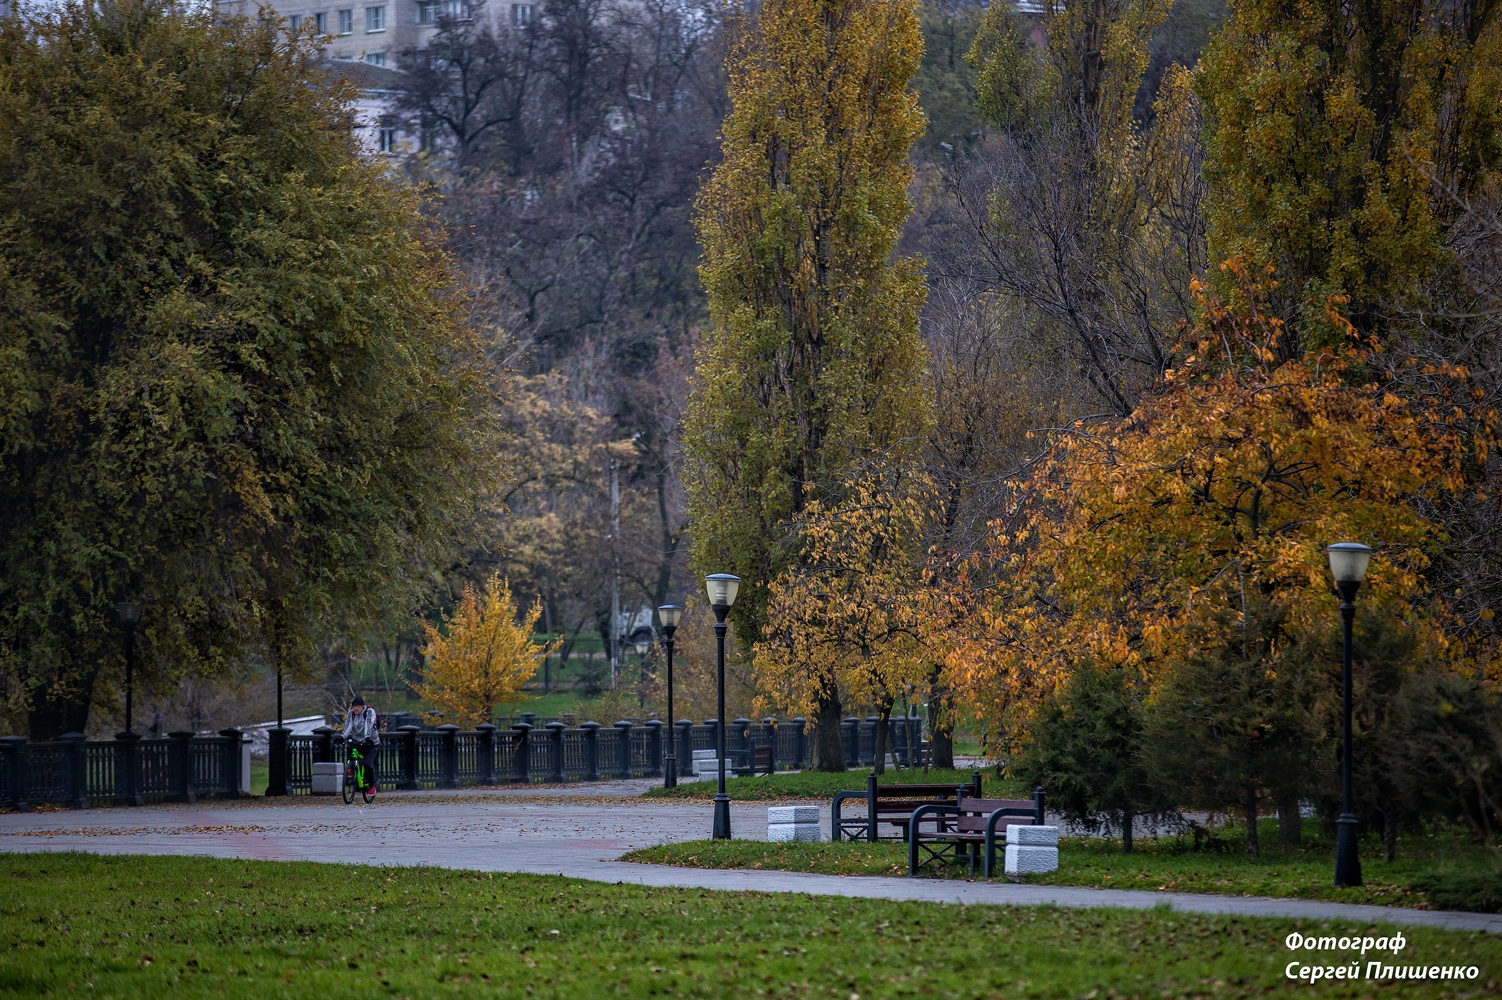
(375, 33)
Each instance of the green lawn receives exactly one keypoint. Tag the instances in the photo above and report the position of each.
(1168, 865)
(824, 785)
(200, 927)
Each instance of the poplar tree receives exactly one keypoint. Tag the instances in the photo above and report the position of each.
(1330, 137)
(812, 364)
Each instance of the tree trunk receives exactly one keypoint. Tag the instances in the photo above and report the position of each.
(940, 728)
(829, 751)
(883, 717)
(50, 717)
(1253, 849)
(1290, 823)
(1389, 834)
(1127, 818)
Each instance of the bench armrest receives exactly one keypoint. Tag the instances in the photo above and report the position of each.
(836, 826)
(934, 810)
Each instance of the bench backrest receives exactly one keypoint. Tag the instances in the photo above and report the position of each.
(893, 800)
(975, 812)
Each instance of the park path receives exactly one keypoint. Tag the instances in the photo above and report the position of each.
(576, 832)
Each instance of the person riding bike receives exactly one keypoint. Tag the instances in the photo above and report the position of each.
(360, 731)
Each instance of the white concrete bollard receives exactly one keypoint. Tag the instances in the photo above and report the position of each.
(1032, 850)
(793, 824)
(328, 778)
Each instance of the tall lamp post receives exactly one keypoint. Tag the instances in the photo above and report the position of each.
(1348, 561)
(722, 588)
(669, 615)
(130, 615)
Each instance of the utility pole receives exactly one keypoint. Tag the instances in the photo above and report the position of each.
(615, 571)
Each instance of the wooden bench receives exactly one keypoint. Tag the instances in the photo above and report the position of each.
(972, 826)
(891, 804)
(761, 760)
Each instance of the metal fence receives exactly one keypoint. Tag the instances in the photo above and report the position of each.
(72, 771)
(183, 767)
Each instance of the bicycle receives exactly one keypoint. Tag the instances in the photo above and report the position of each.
(355, 775)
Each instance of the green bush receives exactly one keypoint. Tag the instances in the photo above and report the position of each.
(1479, 892)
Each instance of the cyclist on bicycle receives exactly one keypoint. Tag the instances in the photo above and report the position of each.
(360, 731)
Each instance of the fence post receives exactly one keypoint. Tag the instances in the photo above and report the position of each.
(278, 760)
(800, 743)
(14, 748)
(591, 750)
(521, 767)
(408, 778)
(744, 744)
(555, 752)
(654, 748)
(234, 780)
(448, 757)
(128, 769)
(180, 768)
(713, 725)
(486, 753)
(685, 746)
(323, 744)
(77, 796)
(623, 765)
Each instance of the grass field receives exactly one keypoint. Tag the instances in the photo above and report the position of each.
(191, 927)
(1168, 865)
(824, 785)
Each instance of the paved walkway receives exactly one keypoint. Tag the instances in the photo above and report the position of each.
(576, 832)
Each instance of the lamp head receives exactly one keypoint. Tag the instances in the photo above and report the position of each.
(722, 588)
(129, 611)
(669, 615)
(642, 647)
(1348, 561)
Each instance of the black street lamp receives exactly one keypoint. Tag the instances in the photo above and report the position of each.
(130, 615)
(722, 588)
(669, 615)
(1348, 561)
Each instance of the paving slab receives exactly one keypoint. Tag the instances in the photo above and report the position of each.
(577, 835)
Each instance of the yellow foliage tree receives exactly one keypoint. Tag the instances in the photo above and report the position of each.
(478, 661)
(850, 615)
(1132, 541)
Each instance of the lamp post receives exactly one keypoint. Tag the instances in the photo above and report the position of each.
(130, 615)
(669, 615)
(721, 588)
(1348, 561)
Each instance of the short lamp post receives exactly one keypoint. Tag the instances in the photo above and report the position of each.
(668, 616)
(130, 616)
(1348, 562)
(722, 588)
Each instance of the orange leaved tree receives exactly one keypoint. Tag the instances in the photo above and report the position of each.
(480, 658)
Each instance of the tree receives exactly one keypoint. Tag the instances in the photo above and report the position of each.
(1327, 137)
(812, 363)
(479, 659)
(1085, 747)
(241, 386)
(1190, 536)
(850, 613)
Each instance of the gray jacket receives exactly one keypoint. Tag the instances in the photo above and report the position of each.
(361, 726)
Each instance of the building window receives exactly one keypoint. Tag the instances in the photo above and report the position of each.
(346, 22)
(294, 23)
(375, 58)
(375, 18)
(521, 13)
(456, 9)
(386, 140)
(321, 23)
(427, 13)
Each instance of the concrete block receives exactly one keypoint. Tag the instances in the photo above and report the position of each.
(799, 833)
(1033, 836)
(1031, 860)
(328, 778)
(792, 814)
